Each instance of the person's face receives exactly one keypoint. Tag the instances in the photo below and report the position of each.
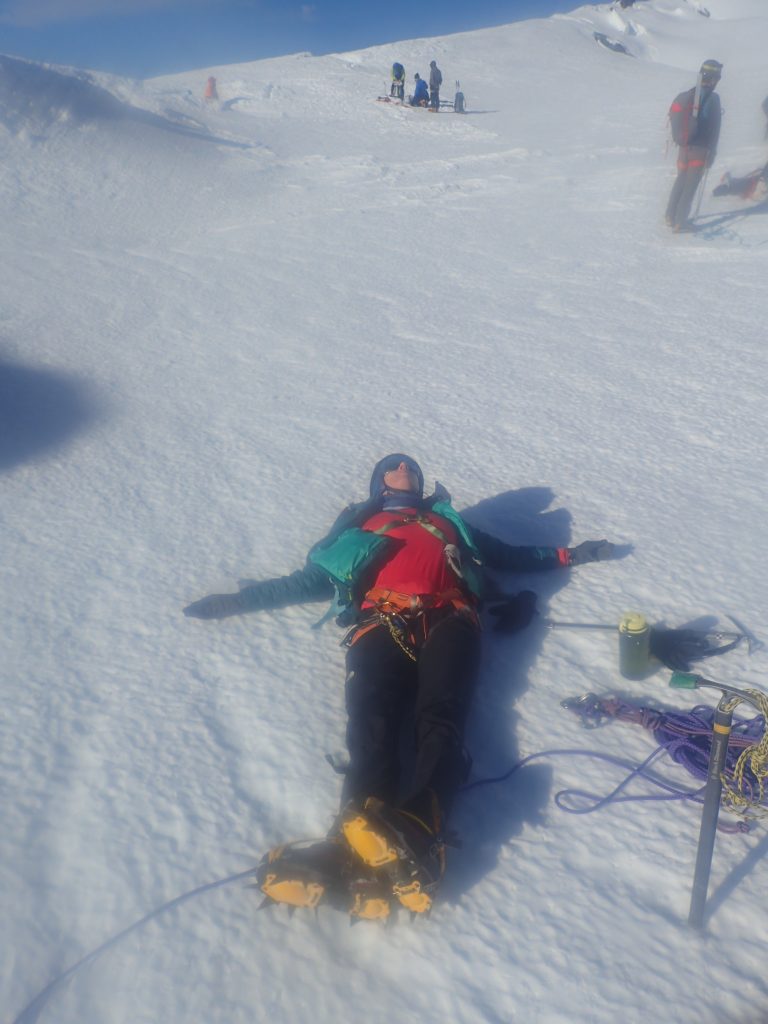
(403, 478)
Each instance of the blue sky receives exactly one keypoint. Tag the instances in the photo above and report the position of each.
(142, 38)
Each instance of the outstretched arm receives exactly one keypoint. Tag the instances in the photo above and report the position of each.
(498, 555)
(303, 586)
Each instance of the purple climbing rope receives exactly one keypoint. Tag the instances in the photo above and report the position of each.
(686, 737)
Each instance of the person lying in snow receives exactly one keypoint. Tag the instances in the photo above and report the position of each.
(751, 186)
(406, 572)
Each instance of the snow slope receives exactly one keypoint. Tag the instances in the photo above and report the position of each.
(212, 322)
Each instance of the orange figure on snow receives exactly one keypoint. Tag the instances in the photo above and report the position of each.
(211, 92)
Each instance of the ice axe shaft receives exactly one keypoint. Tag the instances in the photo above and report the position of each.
(550, 624)
(721, 731)
(720, 634)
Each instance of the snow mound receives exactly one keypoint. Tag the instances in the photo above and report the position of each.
(38, 99)
(38, 95)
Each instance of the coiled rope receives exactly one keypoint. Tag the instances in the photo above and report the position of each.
(687, 738)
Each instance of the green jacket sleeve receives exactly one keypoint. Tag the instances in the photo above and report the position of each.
(302, 587)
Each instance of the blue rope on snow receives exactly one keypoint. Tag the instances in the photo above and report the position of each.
(30, 1013)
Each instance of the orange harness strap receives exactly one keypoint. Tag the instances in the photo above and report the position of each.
(390, 602)
(388, 606)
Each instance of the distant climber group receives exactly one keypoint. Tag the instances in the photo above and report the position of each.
(424, 95)
(695, 118)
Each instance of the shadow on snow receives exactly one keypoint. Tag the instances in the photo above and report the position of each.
(487, 818)
(40, 410)
(714, 224)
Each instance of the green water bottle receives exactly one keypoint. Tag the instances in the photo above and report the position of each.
(634, 646)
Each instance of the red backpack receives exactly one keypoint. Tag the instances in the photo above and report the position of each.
(682, 118)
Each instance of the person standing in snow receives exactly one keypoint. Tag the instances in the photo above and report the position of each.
(406, 573)
(435, 81)
(211, 94)
(397, 89)
(695, 118)
(420, 96)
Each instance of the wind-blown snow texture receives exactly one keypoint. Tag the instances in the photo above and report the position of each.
(213, 321)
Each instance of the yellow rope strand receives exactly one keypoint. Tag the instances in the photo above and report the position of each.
(755, 757)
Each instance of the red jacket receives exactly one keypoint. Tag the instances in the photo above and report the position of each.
(418, 564)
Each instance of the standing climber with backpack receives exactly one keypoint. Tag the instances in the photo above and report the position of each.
(435, 81)
(397, 89)
(695, 121)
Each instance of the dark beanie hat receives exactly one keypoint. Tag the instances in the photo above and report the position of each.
(388, 463)
(711, 68)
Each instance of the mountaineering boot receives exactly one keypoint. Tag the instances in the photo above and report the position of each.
(303, 874)
(402, 843)
(322, 872)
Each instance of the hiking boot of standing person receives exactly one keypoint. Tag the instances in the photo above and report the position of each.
(403, 844)
(323, 873)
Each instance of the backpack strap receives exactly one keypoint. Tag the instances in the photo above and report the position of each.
(405, 520)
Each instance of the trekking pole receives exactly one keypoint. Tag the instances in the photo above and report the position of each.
(721, 731)
(702, 189)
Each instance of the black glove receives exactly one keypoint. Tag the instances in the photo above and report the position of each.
(590, 551)
(516, 612)
(216, 606)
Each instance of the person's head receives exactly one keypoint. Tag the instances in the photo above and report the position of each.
(397, 473)
(416, 76)
(433, 64)
(711, 72)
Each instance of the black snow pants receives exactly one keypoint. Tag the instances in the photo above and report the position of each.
(385, 689)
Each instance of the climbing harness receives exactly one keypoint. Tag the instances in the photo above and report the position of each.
(407, 616)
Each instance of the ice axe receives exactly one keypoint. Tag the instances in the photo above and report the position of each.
(676, 648)
(731, 696)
